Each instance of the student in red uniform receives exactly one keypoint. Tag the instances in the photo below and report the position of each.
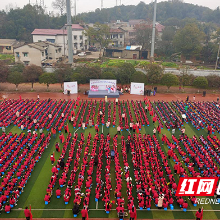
(133, 213)
(27, 213)
(158, 129)
(58, 192)
(84, 213)
(52, 158)
(199, 214)
(185, 205)
(7, 208)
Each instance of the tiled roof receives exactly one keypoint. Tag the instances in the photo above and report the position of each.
(77, 26)
(159, 27)
(136, 21)
(116, 31)
(52, 32)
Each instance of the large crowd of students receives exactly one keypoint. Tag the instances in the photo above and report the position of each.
(154, 179)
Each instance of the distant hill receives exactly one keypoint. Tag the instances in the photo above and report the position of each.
(20, 22)
(165, 10)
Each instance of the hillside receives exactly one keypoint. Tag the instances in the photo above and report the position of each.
(165, 10)
(19, 23)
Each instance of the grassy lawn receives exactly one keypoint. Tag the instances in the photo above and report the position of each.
(36, 186)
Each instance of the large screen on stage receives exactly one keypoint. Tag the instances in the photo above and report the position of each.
(102, 84)
(137, 88)
(71, 86)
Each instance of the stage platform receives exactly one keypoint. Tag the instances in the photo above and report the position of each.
(102, 94)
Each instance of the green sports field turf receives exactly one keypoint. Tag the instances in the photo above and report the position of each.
(35, 189)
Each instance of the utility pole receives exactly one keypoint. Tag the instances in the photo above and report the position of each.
(69, 32)
(153, 33)
(216, 64)
(75, 8)
(101, 4)
(64, 41)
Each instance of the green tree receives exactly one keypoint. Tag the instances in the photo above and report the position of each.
(139, 77)
(32, 73)
(154, 73)
(125, 72)
(185, 78)
(143, 33)
(60, 5)
(98, 34)
(81, 79)
(108, 75)
(188, 40)
(47, 78)
(213, 81)
(63, 73)
(93, 72)
(166, 45)
(169, 80)
(200, 82)
(18, 67)
(15, 78)
(172, 22)
(208, 53)
(4, 71)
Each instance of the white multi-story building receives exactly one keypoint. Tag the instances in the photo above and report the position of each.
(59, 36)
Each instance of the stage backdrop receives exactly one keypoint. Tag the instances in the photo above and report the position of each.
(137, 88)
(72, 86)
(102, 84)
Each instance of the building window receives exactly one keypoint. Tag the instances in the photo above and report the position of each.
(75, 37)
(17, 54)
(8, 48)
(81, 44)
(51, 40)
(121, 35)
(80, 37)
(43, 54)
(75, 45)
(120, 42)
(25, 54)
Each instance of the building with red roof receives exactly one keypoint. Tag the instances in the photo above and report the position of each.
(59, 37)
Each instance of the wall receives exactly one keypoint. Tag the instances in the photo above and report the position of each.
(34, 56)
(60, 39)
(5, 51)
(129, 54)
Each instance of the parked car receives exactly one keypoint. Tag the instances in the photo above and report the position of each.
(82, 54)
(92, 48)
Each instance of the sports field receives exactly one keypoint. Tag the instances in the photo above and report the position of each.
(168, 114)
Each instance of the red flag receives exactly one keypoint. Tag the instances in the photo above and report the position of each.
(67, 128)
(31, 217)
(178, 168)
(202, 214)
(87, 217)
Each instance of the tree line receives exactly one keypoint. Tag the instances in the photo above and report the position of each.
(20, 22)
(125, 73)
